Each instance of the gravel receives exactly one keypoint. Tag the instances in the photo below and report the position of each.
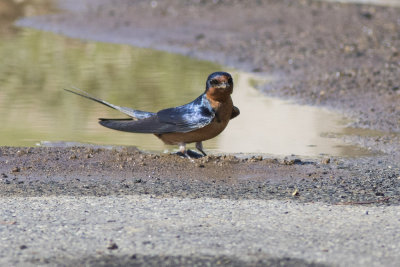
(140, 229)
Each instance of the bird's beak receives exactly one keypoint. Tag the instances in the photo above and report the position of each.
(223, 85)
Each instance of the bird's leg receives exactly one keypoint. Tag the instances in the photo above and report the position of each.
(182, 150)
(199, 146)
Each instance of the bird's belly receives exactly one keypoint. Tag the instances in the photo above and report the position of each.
(210, 131)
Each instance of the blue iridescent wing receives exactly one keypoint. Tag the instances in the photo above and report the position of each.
(186, 118)
(194, 115)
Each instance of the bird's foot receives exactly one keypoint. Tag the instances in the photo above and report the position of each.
(199, 146)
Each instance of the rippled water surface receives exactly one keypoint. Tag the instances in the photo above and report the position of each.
(36, 66)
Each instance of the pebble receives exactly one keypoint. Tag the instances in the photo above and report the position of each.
(112, 246)
(291, 161)
(326, 161)
(256, 158)
(295, 192)
(20, 153)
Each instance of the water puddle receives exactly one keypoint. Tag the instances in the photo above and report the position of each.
(34, 108)
(270, 125)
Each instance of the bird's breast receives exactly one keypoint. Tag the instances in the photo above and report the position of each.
(223, 112)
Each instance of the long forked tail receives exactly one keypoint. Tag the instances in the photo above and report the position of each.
(138, 114)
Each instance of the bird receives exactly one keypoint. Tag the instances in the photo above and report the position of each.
(202, 119)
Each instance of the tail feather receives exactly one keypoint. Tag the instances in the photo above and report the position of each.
(138, 114)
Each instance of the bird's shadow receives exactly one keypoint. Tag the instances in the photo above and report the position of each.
(189, 154)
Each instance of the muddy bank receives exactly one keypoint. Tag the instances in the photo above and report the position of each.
(124, 171)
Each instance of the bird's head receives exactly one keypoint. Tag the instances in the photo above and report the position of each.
(219, 85)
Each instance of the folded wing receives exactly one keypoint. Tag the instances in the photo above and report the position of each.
(186, 118)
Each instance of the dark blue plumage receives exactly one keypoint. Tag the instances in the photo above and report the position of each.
(182, 119)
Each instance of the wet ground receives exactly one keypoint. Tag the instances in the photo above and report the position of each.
(343, 57)
(126, 170)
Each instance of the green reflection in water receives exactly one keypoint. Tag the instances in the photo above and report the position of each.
(37, 65)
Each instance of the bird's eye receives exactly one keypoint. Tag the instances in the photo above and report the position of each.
(214, 82)
(230, 80)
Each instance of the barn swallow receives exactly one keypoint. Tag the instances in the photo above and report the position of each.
(200, 120)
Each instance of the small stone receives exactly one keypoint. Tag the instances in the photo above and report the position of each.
(3, 175)
(200, 36)
(200, 165)
(326, 161)
(112, 246)
(73, 157)
(256, 158)
(20, 153)
(366, 15)
(23, 247)
(16, 169)
(295, 192)
(291, 161)
(138, 181)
